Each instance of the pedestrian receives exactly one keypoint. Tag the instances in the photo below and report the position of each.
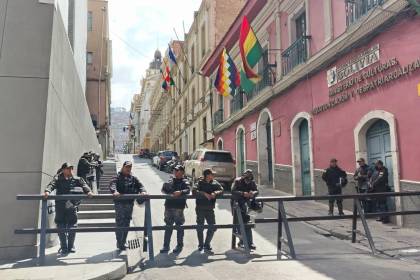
(379, 184)
(66, 210)
(336, 179)
(206, 191)
(122, 184)
(243, 190)
(177, 187)
(99, 169)
(361, 176)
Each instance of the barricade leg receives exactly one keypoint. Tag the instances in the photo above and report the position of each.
(145, 238)
(43, 234)
(235, 221)
(244, 238)
(287, 229)
(354, 225)
(365, 226)
(148, 214)
(279, 231)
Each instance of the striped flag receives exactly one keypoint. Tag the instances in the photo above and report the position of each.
(227, 79)
(251, 50)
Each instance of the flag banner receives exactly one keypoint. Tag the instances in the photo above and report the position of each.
(251, 51)
(171, 55)
(228, 78)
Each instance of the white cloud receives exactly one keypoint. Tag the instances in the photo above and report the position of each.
(141, 24)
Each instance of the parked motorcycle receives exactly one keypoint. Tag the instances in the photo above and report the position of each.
(170, 165)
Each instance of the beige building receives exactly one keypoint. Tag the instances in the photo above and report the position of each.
(184, 122)
(99, 71)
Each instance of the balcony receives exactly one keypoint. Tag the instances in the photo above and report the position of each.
(296, 54)
(268, 80)
(237, 102)
(218, 117)
(356, 9)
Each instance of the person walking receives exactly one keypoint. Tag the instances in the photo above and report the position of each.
(206, 191)
(361, 176)
(84, 168)
(99, 168)
(336, 179)
(243, 190)
(379, 184)
(66, 210)
(122, 184)
(177, 187)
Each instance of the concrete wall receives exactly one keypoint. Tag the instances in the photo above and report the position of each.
(44, 119)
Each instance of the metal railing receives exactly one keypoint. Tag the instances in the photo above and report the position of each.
(218, 117)
(356, 9)
(282, 219)
(294, 55)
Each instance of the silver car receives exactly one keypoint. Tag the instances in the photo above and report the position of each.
(221, 162)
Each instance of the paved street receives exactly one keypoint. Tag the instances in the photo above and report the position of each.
(319, 256)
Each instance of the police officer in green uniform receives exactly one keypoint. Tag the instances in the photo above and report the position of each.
(66, 210)
(124, 183)
(174, 209)
(206, 191)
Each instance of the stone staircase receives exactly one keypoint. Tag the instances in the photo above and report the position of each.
(99, 213)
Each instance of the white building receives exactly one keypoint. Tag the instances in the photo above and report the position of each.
(44, 118)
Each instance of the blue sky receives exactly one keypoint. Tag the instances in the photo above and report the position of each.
(136, 27)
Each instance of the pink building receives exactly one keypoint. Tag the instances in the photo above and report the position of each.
(340, 79)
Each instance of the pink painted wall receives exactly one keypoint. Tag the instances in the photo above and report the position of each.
(284, 31)
(333, 129)
(339, 17)
(316, 26)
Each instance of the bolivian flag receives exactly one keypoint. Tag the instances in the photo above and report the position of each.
(251, 53)
(227, 79)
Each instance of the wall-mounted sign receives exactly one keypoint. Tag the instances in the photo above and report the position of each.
(253, 129)
(342, 72)
(367, 81)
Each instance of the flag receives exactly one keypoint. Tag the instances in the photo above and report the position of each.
(167, 79)
(251, 51)
(171, 55)
(227, 79)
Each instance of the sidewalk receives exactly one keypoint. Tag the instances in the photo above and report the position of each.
(391, 240)
(95, 258)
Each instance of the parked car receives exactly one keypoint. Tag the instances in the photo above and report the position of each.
(163, 157)
(221, 162)
(144, 153)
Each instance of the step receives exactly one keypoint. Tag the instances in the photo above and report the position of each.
(96, 207)
(99, 201)
(96, 223)
(101, 214)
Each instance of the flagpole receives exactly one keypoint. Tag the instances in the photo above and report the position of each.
(177, 66)
(185, 56)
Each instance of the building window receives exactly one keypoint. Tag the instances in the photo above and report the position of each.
(203, 40)
(203, 86)
(89, 58)
(90, 21)
(355, 9)
(193, 59)
(194, 142)
(185, 109)
(70, 27)
(193, 101)
(300, 23)
(204, 129)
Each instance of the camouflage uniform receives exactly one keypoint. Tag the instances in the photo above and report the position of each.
(174, 210)
(124, 208)
(66, 210)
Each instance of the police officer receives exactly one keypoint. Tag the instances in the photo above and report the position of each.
(206, 191)
(124, 183)
(99, 168)
(66, 210)
(379, 184)
(335, 178)
(361, 176)
(243, 190)
(84, 167)
(174, 208)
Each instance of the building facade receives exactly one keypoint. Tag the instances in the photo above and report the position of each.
(339, 80)
(187, 122)
(99, 71)
(44, 118)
